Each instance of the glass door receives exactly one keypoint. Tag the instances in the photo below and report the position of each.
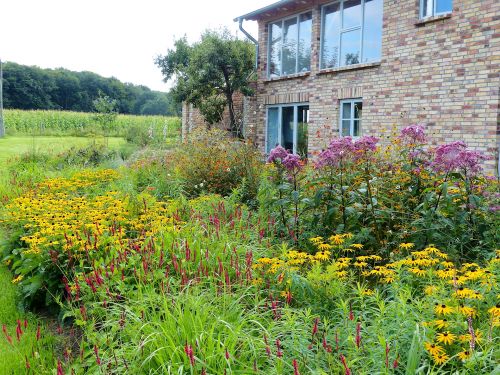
(287, 126)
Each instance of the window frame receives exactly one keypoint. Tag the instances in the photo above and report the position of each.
(434, 8)
(269, 35)
(351, 101)
(343, 30)
(280, 122)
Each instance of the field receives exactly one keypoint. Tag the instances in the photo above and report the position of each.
(11, 147)
(202, 259)
(46, 123)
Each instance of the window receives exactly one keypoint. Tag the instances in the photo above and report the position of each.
(429, 8)
(350, 117)
(351, 32)
(289, 49)
(287, 126)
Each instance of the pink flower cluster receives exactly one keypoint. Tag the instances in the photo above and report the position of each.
(345, 149)
(289, 160)
(456, 157)
(413, 134)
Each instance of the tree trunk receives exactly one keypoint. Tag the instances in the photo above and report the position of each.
(235, 128)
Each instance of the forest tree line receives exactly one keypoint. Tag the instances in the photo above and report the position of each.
(31, 87)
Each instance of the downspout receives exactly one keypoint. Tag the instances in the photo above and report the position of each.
(252, 39)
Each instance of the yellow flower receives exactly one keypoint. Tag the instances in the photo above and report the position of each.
(322, 255)
(463, 355)
(440, 358)
(446, 273)
(476, 295)
(442, 309)
(430, 290)
(467, 311)
(433, 349)
(17, 279)
(446, 338)
(324, 246)
(316, 240)
(337, 239)
(418, 271)
(360, 264)
(464, 292)
(495, 310)
(407, 246)
(441, 323)
(367, 292)
(357, 246)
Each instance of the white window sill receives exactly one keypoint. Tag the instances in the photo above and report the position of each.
(440, 17)
(289, 76)
(350, 67)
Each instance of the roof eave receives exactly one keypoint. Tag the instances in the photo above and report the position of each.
(254, 16)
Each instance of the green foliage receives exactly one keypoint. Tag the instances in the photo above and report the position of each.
(209, 72)
(106, 113)
(210, 161)
(158, 128)
(29, 87)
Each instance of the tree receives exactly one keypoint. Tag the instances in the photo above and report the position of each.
(106, 112)
(209, 72)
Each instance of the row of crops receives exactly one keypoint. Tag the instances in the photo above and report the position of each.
(47, 122)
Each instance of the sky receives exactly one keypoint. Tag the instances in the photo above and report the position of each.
(118, 38)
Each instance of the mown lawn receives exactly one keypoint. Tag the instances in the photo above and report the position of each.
(15, 146)
(11, 359)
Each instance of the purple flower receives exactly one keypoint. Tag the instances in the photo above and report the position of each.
(455, 156)
(277, 153)
(365, 145)
(413, 134)
(339, 150)
(292, 162)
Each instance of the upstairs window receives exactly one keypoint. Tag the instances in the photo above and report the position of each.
(350, 117)
(289, 50)
(351, 32)
(429, 8)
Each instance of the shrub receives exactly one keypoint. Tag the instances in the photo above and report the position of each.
(211, 161)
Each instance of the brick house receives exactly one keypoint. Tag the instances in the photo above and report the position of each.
(360, 67)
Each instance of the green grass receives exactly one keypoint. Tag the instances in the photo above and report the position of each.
(15, 146)
(12, 357)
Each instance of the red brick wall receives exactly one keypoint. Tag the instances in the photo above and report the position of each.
(443, 74)
(192, 118)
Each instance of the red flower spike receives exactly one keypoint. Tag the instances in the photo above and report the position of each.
(7, 336)
(60, 370)
(295, 367)
(358, 335)
(395, 364)
(315, 327)
(387, 350)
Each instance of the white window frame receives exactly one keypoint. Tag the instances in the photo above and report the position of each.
(434, 7)
(342, 31)
(269, 32)
(280, 122)
(351, 117)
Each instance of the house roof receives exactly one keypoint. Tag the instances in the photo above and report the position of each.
(270, 10)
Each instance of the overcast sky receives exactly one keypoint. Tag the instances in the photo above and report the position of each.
(117, 38)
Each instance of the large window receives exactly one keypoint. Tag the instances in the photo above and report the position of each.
(351, 32)
(289, 49)
(287, 126)
(429, 8)
(350, 117)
